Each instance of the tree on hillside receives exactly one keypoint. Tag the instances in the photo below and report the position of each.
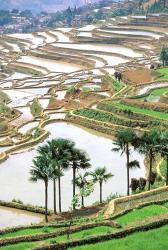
(146, 145)
(59, 150)
(79, 160)
(42, 170)
(101, 175)
(124, 140)
(85, 186)
(164, 56)
(48, 150)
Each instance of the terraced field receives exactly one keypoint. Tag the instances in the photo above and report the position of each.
(62, 75)
(103, 233)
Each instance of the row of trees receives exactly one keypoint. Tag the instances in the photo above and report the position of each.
(59, 155)
(149, 144)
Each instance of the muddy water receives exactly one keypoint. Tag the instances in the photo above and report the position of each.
(14, 173)
(12, 217)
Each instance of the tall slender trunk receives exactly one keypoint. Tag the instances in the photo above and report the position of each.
(74, 186)
(82, 201)
(100, 191)
(167, 170)
(127, 153)
(150, 169)
(54, 191)
(46, 201)
(59, 192)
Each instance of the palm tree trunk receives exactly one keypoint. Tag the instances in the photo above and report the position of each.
(59, 192)
(54, 191)
(46, 201)
(74, 186)
(101, 192)
(82, 202)
(127, 153)
(167, 170)
(150, 170)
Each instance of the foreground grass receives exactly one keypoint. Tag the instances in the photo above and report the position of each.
(159, 91)
(155, 239)
(21, 246)
(162, 74)
(141, 214)
(29, 231)
(152, 113)
(83, 234)
(132, 241)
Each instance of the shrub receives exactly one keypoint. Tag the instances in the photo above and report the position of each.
(36, 108)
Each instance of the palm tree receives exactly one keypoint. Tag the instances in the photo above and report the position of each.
(60, 151)
(147, 145)
(79, 160)
(47, 149)
(81, 181)
(42, 170)
(100, 175)
(124, 140)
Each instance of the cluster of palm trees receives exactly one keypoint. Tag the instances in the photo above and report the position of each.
(149, 144)
(57, 156)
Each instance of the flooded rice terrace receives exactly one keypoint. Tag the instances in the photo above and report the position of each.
(59, 59)
(14, 173)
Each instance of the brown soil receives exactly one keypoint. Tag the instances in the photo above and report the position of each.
(84, 99)
(138, 76)
(54, 104)
(72, 104)
(90, 211)
(90, 98)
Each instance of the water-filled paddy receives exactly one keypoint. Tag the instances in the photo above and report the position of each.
(133, 32)
(25, 128)
(17, 167)
(12, 217)
(51, 65)
(61, 36)
(103, 48)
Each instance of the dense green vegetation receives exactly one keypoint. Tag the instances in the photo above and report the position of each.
(152, 113)
(141, 214)
(20, 246)
(153, 239)
(29, 231)
(83, 234)
(106, 117)
(161, 74)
